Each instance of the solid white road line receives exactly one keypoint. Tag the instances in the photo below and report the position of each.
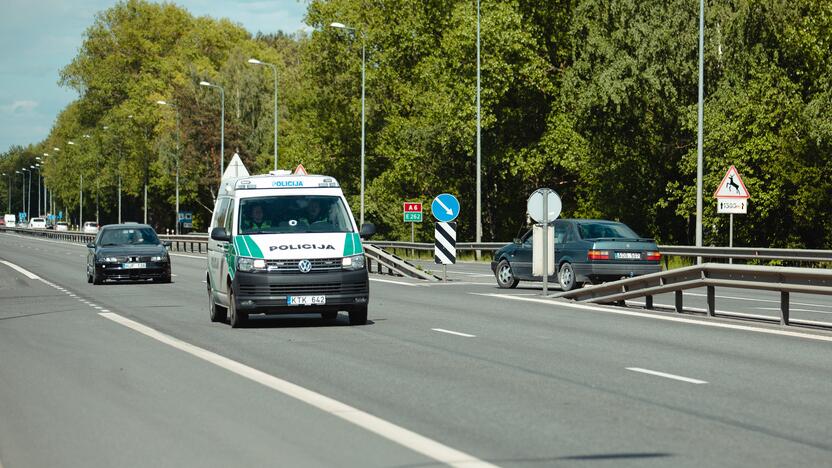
(703, 323)
(451, 332)
(409, 439)
(401, 283)
(20, 270)
(665, 375)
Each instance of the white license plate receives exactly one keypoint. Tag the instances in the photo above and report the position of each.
(306, 300)
(628, 256)
(135, 265)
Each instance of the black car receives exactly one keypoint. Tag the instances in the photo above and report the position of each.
(586, 251)
(128, 252)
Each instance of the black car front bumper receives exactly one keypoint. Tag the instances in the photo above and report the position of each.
(117, 271)
(268, 293)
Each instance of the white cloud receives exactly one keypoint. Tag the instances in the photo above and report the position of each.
(19, 107)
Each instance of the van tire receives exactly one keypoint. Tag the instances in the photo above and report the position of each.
(216, 311)
(236, 318)
(358, 315)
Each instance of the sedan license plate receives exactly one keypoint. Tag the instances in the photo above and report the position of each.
(627, 256)
(305, 300)
(135, 265)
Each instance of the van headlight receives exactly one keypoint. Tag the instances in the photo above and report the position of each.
(355, 262)
(250, 264)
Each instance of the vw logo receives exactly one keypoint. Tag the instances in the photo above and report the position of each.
(305, 266)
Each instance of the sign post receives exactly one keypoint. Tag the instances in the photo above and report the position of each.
(445, 208)
(731, 198)
(412, 214)
(544, 206)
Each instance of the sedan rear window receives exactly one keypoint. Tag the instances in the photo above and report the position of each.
(606, 230)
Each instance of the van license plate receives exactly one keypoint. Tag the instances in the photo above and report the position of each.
(628, 256)
(305, 300)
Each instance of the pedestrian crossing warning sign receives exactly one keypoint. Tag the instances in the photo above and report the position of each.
(731, 186)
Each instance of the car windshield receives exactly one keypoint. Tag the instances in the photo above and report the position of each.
(606, 230)
(128, 236)
(293, 214)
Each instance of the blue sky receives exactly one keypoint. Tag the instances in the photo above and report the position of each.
(39, 37)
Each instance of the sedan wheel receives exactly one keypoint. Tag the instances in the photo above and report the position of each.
(566, 277)
(505, 277)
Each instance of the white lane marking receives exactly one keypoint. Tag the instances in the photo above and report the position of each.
(451, 332)
(409, 439)
(631, 313)
(758, 300)
(666, 375)
(401, 283)
(20, 270)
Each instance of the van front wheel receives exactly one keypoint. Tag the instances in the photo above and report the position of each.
(237, 319)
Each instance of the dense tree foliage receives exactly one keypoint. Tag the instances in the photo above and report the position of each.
(594, 99)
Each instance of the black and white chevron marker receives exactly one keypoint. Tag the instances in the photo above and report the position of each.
(444, 248)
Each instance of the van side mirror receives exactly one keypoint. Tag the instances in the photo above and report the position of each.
(219, 234)
(367, 230)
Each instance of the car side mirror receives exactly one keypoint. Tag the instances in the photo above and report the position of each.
(367, 230)
(517, 241)
(219, 234)
(167, 244)
(91, 245)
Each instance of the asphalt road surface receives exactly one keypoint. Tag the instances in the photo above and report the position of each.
(444, 374)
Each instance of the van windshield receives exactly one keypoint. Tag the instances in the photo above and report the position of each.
(293, 214)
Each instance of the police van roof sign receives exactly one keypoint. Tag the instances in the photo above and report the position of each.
(731, 185)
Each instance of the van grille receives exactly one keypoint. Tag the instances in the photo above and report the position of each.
(291, 266)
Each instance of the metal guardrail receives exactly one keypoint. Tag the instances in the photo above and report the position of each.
(394, 265)
(786, 280)
(739, 253)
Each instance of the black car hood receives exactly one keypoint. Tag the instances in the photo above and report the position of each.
(131, 250)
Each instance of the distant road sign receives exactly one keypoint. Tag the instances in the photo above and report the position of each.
(444, 247)
(731, 206)
(412, 207)
(410, 217)
(445, 207)
(731, 185)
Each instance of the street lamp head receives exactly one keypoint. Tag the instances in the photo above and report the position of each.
(205, 83)
(71, 142)
(161, 102)
(338, 25)
(56, 148)
(254, 61)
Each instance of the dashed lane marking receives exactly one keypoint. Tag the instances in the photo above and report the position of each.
(404, 437)
(451, 332)
(666, 375)
(401, 283)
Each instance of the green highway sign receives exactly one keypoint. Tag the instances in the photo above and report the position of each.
(413, 217)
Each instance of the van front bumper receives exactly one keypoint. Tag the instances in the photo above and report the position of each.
(269, 293)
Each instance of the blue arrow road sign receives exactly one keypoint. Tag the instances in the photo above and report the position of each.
(445, 207)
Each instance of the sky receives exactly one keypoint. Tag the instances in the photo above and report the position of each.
(39, 37)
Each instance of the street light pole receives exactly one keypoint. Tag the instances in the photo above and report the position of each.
(699, 143)
(254, 61)
(23, 192)
(479, 138)
(222, 123)
(9, 197)
(176, 218)
(363, 87)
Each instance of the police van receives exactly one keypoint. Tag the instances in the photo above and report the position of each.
(284, 243)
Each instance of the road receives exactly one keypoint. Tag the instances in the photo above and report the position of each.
(136, 375)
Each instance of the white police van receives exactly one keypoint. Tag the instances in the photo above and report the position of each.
(284, 243)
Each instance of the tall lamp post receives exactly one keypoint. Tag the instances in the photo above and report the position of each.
(23, 192)
(222, 123)
(164, 103)
(479, 139)
(9, 197)
(363, 69)
(36, 167)
(254, 61)
(700, 122)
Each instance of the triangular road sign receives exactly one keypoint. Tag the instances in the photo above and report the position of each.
(235, 168)
(731, 186)
(300, 170)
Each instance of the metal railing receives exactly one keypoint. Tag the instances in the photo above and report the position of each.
(785, 280)
(394, 265)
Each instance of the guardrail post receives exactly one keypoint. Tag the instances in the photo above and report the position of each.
(784, 307)
(711, 301)
(679, 301)
(648, 302)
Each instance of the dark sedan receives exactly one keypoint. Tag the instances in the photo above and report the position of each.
(586, 251)
(128, 252)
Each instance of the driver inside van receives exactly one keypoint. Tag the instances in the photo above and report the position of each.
(256, 221)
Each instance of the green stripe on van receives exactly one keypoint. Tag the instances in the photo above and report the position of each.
(253, 248)
(357, 240)
(348, 245)
(242, 248)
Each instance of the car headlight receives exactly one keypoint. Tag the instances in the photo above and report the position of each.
(355, 262)
(110, 260)
(159, 258)
(250, 264)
